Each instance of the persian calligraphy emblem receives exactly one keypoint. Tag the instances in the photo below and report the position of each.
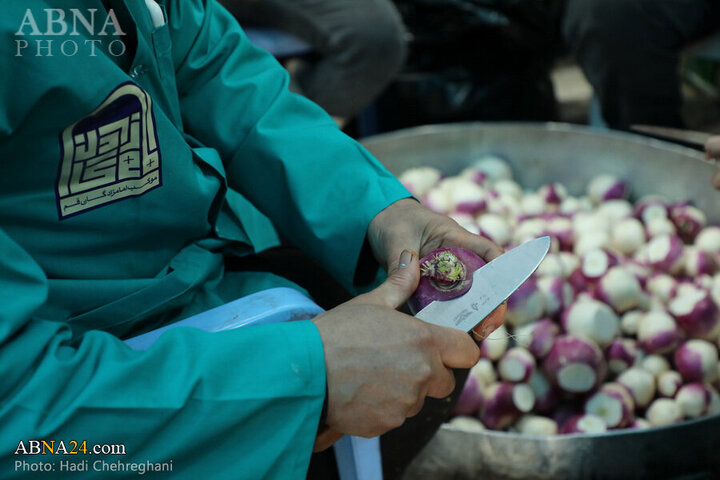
(110, 155)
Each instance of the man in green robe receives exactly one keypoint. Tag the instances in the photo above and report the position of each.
(141, 145)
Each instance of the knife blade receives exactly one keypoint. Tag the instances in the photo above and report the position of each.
(492, 285)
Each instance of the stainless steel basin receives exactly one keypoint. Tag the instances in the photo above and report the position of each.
(540, 153)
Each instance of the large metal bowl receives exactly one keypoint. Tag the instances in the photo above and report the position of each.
(540, 153)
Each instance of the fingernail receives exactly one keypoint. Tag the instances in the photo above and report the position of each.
(405, 259)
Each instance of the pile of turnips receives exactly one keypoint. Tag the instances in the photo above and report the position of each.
(618, 327)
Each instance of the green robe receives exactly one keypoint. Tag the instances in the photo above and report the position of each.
(121, 190)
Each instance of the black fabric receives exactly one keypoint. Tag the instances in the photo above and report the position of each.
(291, 263)
(358, 47)
(474, 60)
(128, 26)
(630, 52)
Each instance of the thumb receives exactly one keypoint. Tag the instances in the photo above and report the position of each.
(399, 286)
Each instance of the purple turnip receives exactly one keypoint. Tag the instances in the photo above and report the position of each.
(546, 396)
(657, 332)
(606, 187)
(533, 205)
(446, 273)
(586, 423)
(466, 221)
(557, 293)
(516, 365)
(494, 167)
(640, 424)
(593, 320)
(484, 372)
(505, 403)
(688, 220)
(697, 262)
(551, 266)
(629, 322)
(697, 360)
(591, 241)
(570, 262)
(438, 200)
(589, 223)
(621, 354)
(494, 227)
(662, 286)
(528, 230)
(696, 312)
(465, 195)
(495, 345)
(597, 262)
(561, 228)
(663, 411)
(668, 383)
(665, 253)
(575, 365)
(508, 188)
(708, 240)
(655, 364)
(525, 305)
(571, 206)
(613, 403)
(642, 272)
(553, 193)
(420, 180)
(470, 398)
(651, 207)
(641, 384)
(694, 399)
(620, 289)
(538, 337)
(530, 424)
(660, 226)
(475, 175)
(504, 205)
(615, 210)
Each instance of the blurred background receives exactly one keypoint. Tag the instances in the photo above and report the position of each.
(389, 64)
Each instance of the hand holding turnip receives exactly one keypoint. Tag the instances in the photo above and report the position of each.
(380, 363)
(407, 225)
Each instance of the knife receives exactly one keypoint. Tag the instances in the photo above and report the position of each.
(491, 286)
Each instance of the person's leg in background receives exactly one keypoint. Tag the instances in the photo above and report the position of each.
(358, 46)
(630, 52)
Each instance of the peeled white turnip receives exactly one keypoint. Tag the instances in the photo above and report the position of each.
(575, 364)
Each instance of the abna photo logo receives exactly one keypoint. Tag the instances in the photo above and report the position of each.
(38, 34)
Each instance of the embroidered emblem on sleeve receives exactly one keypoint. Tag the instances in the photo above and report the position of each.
(110, 155)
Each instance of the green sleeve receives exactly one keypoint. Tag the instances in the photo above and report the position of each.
(281, 151)
(241, 404)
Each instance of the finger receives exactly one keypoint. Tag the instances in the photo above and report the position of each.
(443, 385)
(716, 180)
(399, 286)
(457, 349)
(712, 147)
(417, 408)
(395, 250)
(326, 438)
(490, 323)
(480, 245)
